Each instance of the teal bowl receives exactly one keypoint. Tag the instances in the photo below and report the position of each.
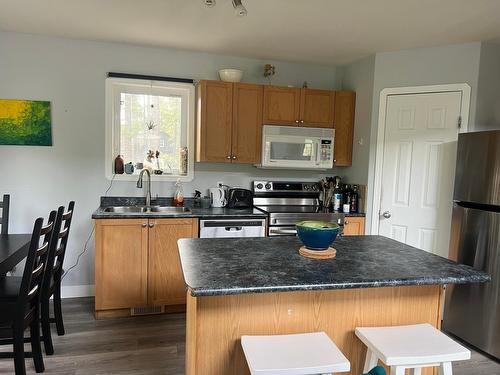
(317, 235)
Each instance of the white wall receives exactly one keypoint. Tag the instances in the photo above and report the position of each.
(488, 92)
(71, 73)
(359, 77)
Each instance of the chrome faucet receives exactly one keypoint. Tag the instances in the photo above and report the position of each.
(148, 186)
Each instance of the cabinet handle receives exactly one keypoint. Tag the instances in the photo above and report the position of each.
(151, 225)
(144, 225)
(296, 121)
(346, 222)
(234, 157)
(334, 160)
(228, 157)
(301, 121)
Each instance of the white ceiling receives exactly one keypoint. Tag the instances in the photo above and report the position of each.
(320, 31)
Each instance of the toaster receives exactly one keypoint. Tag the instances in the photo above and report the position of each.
(239, 198)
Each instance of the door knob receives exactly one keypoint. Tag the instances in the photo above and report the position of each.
(144, 225)
(296, 121)
(228, 157)
(301, 121)
(387, 214)
(151, 225)
(234, 157)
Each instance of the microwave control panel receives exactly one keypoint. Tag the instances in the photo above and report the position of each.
(326, 150)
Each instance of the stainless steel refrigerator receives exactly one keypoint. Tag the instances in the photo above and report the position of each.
(472, 312)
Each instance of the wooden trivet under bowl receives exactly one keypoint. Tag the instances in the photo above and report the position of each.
(318, 254)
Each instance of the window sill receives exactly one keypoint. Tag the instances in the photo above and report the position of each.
(154, 177)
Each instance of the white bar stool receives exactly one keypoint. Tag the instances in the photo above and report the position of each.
(298, 354)
(410, 347)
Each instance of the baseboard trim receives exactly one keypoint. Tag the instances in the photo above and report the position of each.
(73, 291)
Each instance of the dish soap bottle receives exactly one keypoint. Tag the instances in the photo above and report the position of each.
(179, 194)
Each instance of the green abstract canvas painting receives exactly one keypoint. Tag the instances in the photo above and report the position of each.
(25, 122)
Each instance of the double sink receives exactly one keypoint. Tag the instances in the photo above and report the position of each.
(145, 209)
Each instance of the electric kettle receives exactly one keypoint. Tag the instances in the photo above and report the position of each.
(217, 197)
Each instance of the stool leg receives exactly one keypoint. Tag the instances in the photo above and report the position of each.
(371, 360)
(445, 369)
(397, 370)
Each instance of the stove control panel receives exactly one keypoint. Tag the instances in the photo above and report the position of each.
(284, 186)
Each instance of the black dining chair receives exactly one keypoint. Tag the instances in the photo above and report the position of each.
(53, 276)
(23, 312)
(4, 219)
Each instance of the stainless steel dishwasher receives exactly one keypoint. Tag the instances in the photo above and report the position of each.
(232, 228)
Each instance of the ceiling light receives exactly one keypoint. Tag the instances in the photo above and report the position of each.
(240, 10)
(209, 3)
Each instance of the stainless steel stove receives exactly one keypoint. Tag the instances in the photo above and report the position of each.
(288, 202)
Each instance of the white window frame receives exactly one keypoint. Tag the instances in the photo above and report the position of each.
(112, 137)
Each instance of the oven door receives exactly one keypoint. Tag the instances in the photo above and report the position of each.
(282, 231)
(290, 152)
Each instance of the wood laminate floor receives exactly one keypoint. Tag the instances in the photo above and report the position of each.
(142, 345)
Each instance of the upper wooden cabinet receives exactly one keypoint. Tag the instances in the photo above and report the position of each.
(247, 123)
(281, 105)
(229, 125)
(345, 104)
(231, 116)
(302, 107)
(215, 109)
(317, 108)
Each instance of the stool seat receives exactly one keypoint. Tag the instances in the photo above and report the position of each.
(296, 354)
(418, 344)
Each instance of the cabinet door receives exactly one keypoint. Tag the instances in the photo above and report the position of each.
(317, 108)
(214, 121)
(121, 263)
(281, 105)
(166, 284)
(345, 103)
(354, 226)
(247, 123)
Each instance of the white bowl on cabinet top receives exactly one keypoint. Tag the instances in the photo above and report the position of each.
(230, 75)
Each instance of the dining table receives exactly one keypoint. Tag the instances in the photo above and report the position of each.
(13, 249)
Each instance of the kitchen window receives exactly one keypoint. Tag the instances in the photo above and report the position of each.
(151, 125)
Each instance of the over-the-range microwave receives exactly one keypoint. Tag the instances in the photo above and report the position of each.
(297, 148)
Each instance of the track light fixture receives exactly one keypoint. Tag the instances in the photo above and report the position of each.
(239, 8)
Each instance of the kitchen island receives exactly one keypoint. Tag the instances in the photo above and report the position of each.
(263, 286)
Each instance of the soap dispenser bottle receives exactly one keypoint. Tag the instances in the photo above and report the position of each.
(179, 194)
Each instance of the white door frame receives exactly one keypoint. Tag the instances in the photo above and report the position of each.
(379, 155)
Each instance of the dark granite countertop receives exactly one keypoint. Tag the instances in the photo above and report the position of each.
(198, 212)
(260, 265)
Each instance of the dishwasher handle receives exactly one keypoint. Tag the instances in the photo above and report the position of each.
(233, 229)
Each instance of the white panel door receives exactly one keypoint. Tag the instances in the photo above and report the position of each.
(421, 134)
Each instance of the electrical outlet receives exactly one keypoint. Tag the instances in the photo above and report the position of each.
(220, 183)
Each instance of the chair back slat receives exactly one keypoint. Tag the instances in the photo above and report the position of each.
(57, 249)
(33, 275)
(4, 219)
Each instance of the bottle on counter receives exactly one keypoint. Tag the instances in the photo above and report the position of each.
(354, 199)
(179, 194)
(337, 194)
(346, 199)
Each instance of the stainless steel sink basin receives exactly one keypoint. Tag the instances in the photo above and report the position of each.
(144, 209)
(170, 209)
(125, 209)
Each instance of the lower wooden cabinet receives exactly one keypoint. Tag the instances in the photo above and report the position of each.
(137, 263)
(354, 226)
